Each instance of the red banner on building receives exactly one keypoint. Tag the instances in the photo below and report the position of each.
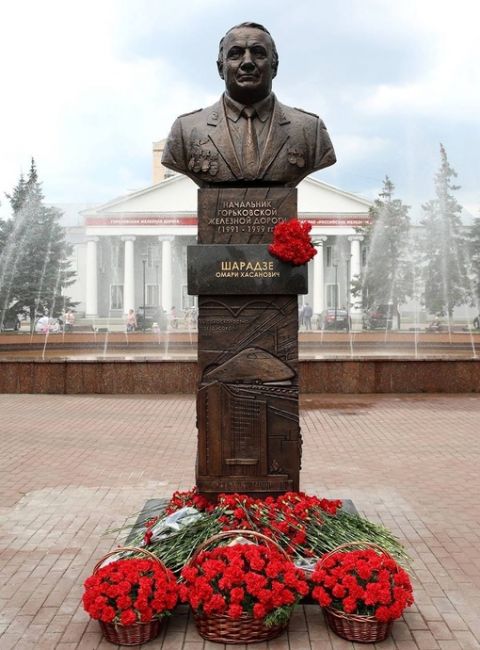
(191, 220)
(338, 221)
(142, 220)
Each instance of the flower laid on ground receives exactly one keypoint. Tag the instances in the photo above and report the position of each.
(362, 582)
(190, 498)
(285, 518)
(292, 242)
(305, 526)
(243, 579)
(130, 590)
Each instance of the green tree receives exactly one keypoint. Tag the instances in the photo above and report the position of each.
(444, 246)
(34, 260)
(386, 276)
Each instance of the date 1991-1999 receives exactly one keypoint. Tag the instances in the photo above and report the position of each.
(245, 228)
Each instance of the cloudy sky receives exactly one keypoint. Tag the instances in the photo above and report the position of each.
(88, 86)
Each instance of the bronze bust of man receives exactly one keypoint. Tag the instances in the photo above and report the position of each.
(248, 137)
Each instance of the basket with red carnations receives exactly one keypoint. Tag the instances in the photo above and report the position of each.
(244, 592)
(130, 596)
(361, 591)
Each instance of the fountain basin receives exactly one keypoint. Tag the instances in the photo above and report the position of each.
(144, 375)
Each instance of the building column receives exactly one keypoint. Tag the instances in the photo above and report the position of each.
(355, 270)
(91, 298)
(166, 280)
(129, 274)
(318, 278)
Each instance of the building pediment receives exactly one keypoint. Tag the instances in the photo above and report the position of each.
(177, 195)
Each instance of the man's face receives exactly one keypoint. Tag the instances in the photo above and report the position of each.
(247, 65)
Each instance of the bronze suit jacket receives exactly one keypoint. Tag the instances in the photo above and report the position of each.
(200, 145)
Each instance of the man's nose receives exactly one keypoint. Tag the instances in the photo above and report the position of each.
(247, 61)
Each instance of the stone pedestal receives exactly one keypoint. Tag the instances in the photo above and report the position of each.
(247, 401)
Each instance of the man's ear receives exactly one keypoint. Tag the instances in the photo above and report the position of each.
(220, 69)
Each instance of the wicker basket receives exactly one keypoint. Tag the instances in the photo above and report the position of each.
(221, 628)
(131, 634)
(136, 633)
(354, 627)
(362, 629)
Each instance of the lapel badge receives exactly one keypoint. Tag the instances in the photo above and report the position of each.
(295, 156)
(213, 170)
(199, 160)
(205, 166)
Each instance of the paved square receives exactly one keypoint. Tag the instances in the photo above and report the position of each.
(73, 466)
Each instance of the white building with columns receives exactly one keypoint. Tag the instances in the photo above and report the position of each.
(131, 251)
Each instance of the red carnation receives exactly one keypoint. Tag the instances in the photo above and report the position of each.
(128, 617)
(235, 611)
(292, 242)
(259, 611)
(108, 614)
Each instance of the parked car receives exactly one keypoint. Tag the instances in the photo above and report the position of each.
(378, 318)
(334, 319)
(152, 315)
(9, 320)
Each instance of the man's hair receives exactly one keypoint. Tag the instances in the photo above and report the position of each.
(254, 26)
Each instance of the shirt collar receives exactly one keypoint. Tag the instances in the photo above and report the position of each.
(233, 109)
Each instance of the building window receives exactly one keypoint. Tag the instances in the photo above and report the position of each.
(329, 255)
(364, 255)
(187, 301)
(116, 296)
(153, 255)
(116, 255)
(332, 296)
(100, 258)
(152, 295)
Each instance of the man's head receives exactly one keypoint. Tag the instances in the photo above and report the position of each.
(247, 61)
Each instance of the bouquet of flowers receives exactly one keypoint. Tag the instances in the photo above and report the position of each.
(130, 596)
(305, 526)
(241, 592)
(362, 590)
(292, 242)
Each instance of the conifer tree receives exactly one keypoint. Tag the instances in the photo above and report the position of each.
(386, 276)
(443, 245)
(34, 264)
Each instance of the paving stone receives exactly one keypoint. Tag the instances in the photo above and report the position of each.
(73, 466)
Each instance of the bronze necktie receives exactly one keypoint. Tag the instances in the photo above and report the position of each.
(249, 146)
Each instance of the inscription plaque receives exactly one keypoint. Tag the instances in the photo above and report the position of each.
(235, 269)
(243, 215)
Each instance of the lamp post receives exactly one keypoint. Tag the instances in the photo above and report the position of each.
(144, 262)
